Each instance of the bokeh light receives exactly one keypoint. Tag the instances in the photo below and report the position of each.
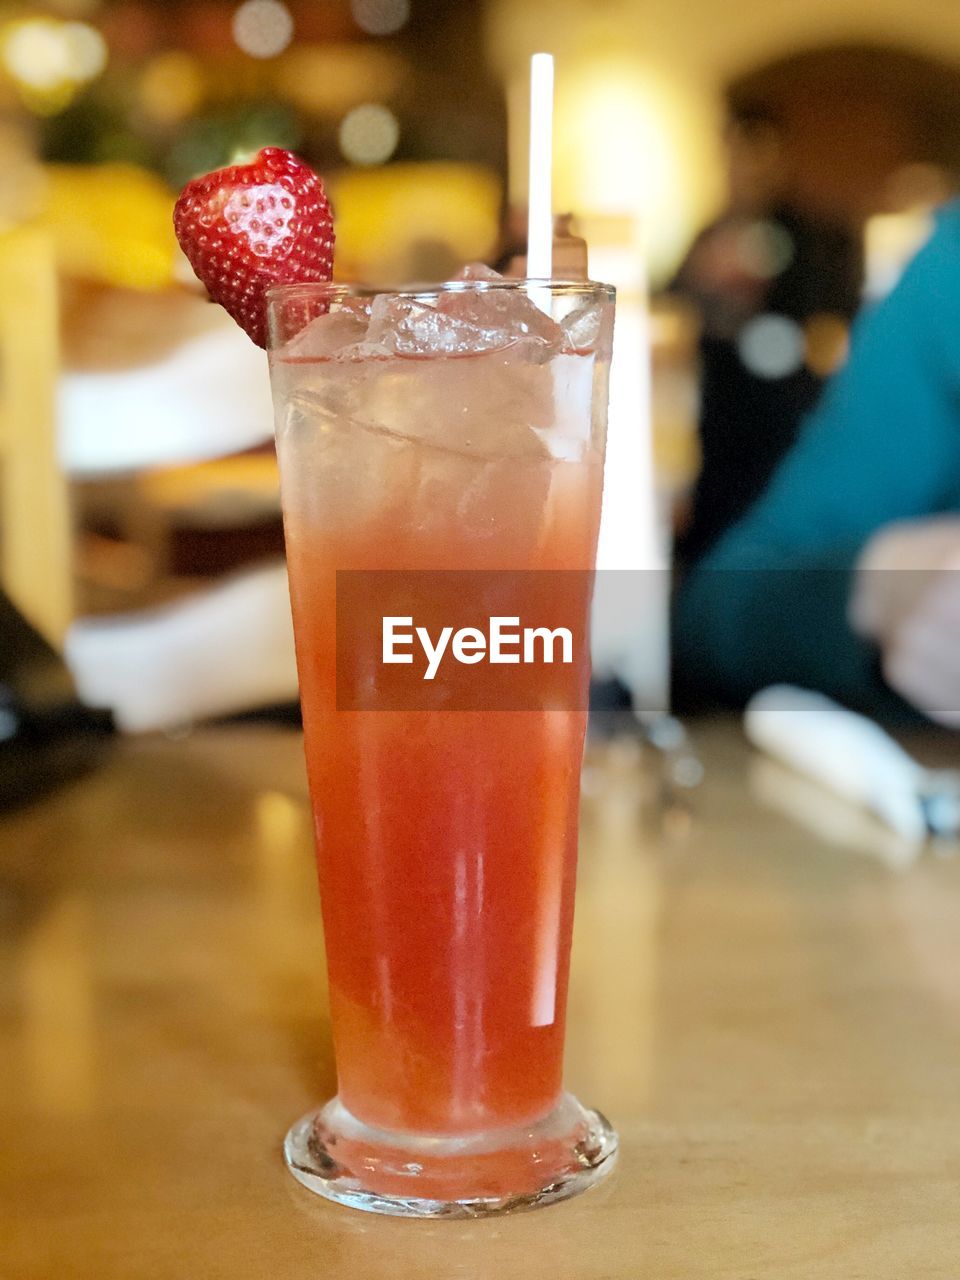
(35, 55)
(263, 28)
(765, 249)
(369, 134)
(827, 339)
(50, 60)
(171, 88)
(380, 17)
(772, 346)
(86, 50)
(42, 53)
(331, 79)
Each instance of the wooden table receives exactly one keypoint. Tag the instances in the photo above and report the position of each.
(771, 1017)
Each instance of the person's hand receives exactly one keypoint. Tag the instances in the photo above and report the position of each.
(907, 599)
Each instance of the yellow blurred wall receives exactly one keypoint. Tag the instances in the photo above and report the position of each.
(638, 89)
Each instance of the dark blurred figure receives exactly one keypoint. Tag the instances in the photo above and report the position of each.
(47, 736)
(769, 282)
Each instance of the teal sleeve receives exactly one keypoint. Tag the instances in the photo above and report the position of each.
(769, 603)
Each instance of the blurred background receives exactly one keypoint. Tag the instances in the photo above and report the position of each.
(747, 184)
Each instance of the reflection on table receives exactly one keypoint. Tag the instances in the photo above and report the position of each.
(769, 1018)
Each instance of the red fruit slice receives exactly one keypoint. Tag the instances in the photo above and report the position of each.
(252, 226)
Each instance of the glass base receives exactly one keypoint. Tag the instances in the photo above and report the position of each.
(330, 1152)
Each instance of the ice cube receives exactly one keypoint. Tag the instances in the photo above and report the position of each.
(338, 471)
(407, 327)
(327, 335)
(581, 328)
(478, 271)
(509, 311)
(494, 505)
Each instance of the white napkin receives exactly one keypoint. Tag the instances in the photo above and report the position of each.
(854, 758)
(223, 650)
(205, 398)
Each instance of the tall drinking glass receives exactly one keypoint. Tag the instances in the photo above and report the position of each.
(456, 429)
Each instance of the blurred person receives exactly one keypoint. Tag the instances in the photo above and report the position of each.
(843, 576)
(757, 275)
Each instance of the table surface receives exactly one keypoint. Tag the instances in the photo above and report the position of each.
(765, 1005)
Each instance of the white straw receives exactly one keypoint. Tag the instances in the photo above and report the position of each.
(540, 199)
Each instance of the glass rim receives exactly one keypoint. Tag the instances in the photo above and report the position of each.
(334, 290)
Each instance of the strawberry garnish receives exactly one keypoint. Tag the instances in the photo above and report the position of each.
(252, 226)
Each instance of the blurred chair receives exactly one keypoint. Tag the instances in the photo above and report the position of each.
(163, 404)
(192, 619)
(35, 563)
